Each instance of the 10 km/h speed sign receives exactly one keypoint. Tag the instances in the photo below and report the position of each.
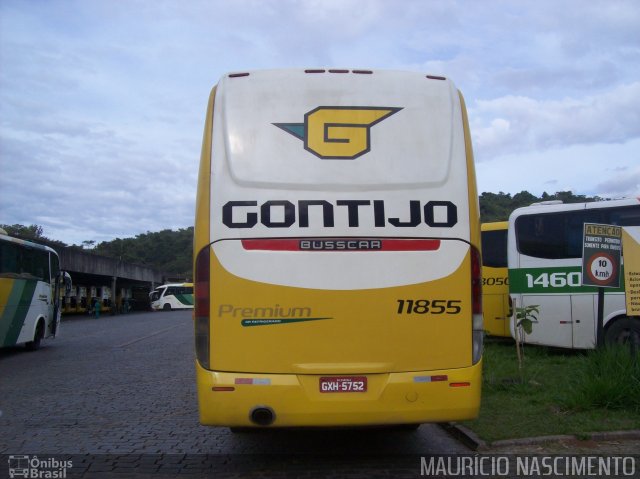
(601, 255)
(602, 270)
(601, 247)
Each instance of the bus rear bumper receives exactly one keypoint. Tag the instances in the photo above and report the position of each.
(238, 399)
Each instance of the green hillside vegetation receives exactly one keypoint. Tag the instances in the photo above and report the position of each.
(498, 207)
(167, 250)
(170, 251)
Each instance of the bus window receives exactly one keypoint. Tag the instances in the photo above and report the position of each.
(553, 236)
(55, 265)
(9, 253)
(627, 216)
(494, 248)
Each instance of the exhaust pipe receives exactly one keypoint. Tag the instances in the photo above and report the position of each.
(262, 416)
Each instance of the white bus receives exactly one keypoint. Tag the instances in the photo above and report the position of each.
(30, 299)
(172, 296)
(544, 254)
(337, 251)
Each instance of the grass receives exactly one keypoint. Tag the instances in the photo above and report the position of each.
(608, 379)
(557, 392)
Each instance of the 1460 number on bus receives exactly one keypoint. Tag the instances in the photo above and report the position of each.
(425, 306)
(555, 280)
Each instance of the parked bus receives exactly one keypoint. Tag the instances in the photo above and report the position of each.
(545, 258)
(172, 296)
(337, 251)
(495, 279)
(30, 281)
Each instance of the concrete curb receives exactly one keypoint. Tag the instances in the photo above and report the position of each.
(472, 441)
(465, 435)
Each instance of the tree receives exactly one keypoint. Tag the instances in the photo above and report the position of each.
(88, 244)
(32, 232)
(166, 250)
(498, 207)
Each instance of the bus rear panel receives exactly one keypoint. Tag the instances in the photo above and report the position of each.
(495, 279)
(337, 269)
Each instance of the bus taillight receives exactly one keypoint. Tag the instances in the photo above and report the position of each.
(201, 306)
(476, 299)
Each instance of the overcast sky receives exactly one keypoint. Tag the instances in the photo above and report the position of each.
(102, 103)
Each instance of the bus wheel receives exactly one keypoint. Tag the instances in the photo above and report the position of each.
(624, 331)
(166, 307)
(37, 337)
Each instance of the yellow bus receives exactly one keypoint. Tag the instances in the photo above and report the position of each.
(337, 251)
(30, 299)
(495, 279)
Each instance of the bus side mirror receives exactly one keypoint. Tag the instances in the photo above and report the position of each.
(66, 278)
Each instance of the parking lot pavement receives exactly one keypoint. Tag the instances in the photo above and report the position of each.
(117, 396)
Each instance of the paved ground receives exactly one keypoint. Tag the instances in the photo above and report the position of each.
(116, 396)
(590, 447)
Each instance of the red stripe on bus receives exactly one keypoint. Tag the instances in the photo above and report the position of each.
(271, 245)
(386, 244)
(410, 245)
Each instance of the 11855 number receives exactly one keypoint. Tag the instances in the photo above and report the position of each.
(425, 306)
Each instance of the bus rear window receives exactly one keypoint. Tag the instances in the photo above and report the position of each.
(494, 248)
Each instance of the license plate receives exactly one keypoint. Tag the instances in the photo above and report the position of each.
(343, 384)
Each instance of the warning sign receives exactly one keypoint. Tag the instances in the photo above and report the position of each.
(601, 255)
(631, 248)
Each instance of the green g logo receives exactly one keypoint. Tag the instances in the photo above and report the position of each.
(338, 132)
